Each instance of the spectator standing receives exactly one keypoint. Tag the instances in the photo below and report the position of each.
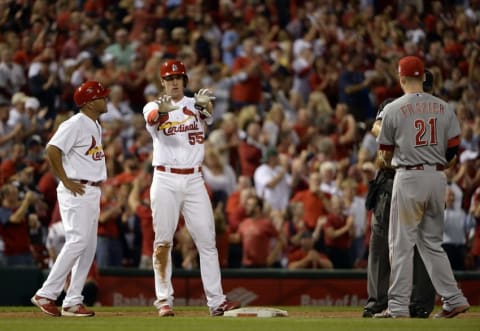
(315, 202)
(249, 91)
(139, 203)
(45, 86)
(14, 226)
(12, 75)
(250, 149)
(219, 176)
(338, 234)
(109, 249)
(8, 133)
(121, 49)
(255, 233)
(455, 232)
(354, 89)
(272, 181)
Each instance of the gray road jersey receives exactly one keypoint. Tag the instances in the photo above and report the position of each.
(419, 126)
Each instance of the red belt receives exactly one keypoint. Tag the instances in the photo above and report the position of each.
(438, 167)
(89, 182)
(180, 171)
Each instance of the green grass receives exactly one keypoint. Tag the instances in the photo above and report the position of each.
(300, 319)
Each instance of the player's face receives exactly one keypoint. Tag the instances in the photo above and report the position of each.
(174, 86)
(101, 105)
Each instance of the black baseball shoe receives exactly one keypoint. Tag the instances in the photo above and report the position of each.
(418, 312)
(368, 313)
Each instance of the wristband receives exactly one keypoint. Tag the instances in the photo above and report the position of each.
(199, 107)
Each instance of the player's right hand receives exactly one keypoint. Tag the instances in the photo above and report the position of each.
(164, 104)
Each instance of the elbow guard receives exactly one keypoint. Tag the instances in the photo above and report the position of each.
(451, 152)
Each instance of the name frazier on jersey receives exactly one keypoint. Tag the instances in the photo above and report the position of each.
(422, 108)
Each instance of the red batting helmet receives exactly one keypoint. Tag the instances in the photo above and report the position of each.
(173, 67)
(89, 91)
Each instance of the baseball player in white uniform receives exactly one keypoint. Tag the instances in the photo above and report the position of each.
(176, 124)
(419, 137)
(76, 156)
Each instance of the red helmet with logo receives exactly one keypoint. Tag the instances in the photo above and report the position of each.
(173, 67)
(89, 91)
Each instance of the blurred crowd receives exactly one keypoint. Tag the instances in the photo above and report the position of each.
(290, 154)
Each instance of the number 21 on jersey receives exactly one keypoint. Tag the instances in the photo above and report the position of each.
(426, 132)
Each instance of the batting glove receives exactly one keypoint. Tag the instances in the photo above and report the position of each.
(165, 104)
(202, 99)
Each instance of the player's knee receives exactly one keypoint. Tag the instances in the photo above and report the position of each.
(76, 247)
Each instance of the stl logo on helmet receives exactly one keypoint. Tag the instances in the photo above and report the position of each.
(174, 67)
(95, 151)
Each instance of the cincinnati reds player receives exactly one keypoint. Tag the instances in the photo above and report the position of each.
(176, 124)
(75, 154)
(419, 137)
(422, 300)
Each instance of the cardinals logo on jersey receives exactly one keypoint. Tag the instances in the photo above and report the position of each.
(188, 112)
(95, 151)
(171, 128)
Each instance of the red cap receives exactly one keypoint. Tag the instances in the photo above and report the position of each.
(89, 91)
(172, 67)
(410, 66)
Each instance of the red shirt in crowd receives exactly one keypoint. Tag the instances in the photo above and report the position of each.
(108, 228)
(14, 235)
(336, 222)
(144, 213)
(256, 235)
(250, 158)
(313, 207)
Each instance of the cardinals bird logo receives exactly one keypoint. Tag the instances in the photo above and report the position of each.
(95, 151)
(188, 112)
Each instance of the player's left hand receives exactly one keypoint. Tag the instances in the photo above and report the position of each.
(203, 100)
(75, 187)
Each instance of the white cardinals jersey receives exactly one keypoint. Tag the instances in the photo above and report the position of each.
(80, 139)
(178, 136)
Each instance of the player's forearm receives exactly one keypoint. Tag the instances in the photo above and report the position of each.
(19, 215)
(384, 159)
(133, 198)
(376, 128)
(276, 179)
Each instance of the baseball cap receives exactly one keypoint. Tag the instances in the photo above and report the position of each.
(410, 66)
(32, 103)
(271, 152)
(468, 155)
